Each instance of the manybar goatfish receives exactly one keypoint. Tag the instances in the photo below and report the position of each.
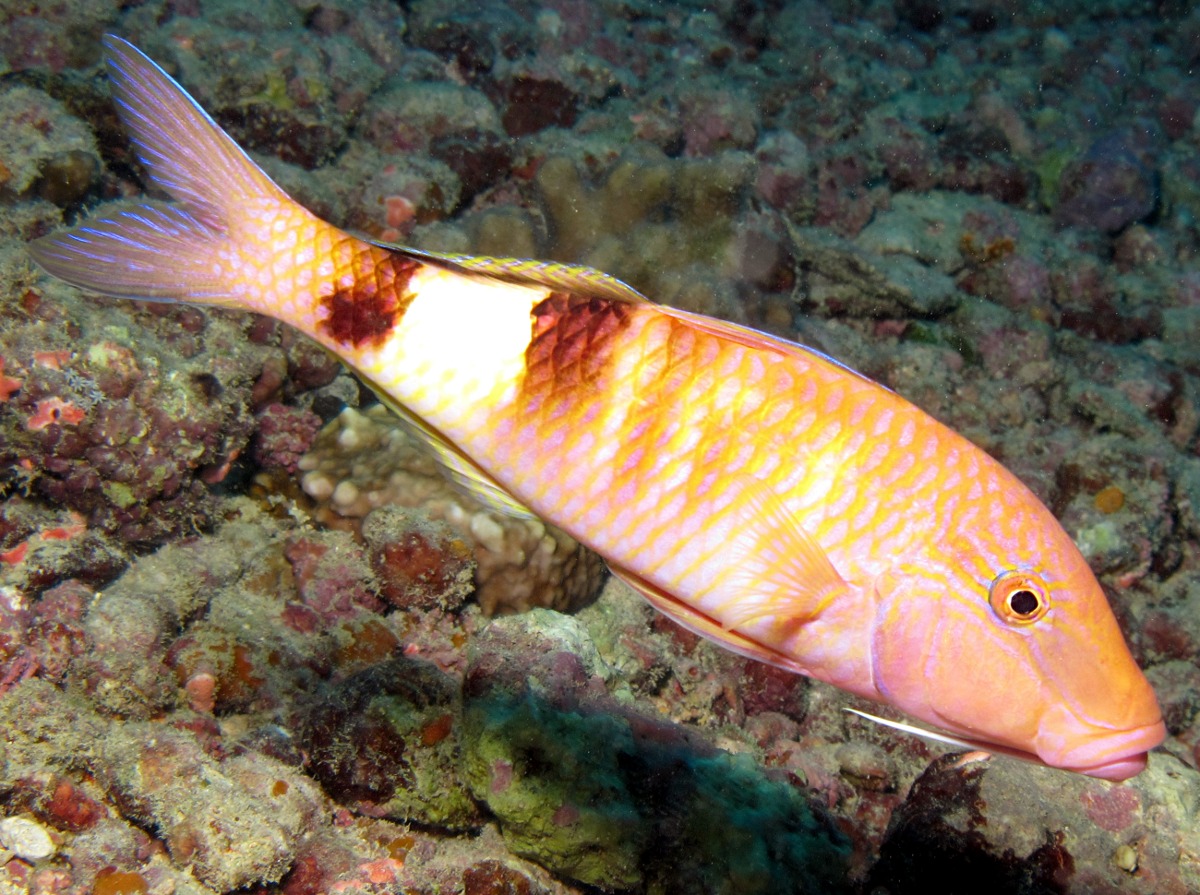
(754, 490)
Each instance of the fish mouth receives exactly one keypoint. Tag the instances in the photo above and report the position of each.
(1105, 753)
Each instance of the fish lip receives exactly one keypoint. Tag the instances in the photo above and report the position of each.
(1117, 771)
(1109, 754)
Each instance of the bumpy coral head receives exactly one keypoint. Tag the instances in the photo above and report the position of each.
(1019, 653)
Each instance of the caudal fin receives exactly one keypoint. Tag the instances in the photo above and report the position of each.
(152, 250)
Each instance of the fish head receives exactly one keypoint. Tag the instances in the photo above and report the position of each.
(1015, 652)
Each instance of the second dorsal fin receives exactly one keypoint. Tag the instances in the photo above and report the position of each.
(574, 278)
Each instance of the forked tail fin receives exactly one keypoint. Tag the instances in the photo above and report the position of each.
(152, 250)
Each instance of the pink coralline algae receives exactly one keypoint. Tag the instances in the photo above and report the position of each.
(56, 634)
(331, 576)
(284, 435)
(783, 179)
(845, 200)
(8, 384)
(420, 562)
(1016, 280)
(910, 158)
(1112, 808)
(51, 411)
(1092, 302)
(114, 444)
(714, 120)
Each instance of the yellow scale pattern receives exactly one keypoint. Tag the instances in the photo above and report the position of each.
(651, 440)
(285, 260)
(703, 425)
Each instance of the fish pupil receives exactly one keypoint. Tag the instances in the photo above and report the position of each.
(1023, 602)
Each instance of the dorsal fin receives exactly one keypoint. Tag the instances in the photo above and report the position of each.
(583, 280)
(574, 278)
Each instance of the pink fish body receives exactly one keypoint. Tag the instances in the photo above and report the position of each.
(754, 490)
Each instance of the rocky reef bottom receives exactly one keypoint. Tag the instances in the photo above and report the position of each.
(244, 711)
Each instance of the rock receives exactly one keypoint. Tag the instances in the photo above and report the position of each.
(586, 786)
(1110, 187)
(842, 278)
(362, 461)
(385, 742)
(26, 838)
(1001, 826)
(420, 561)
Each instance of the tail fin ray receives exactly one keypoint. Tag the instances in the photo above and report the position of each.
(185, 152)
(125, 254)
(152, 250)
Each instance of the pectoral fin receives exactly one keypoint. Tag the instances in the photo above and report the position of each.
(775, 568)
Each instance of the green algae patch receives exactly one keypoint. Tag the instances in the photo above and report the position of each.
(385, 741)
(1049, 170)
(600, 793)
(562, 805)
(119, 494)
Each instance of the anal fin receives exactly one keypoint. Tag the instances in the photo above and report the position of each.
(460, 470)
(679, 611)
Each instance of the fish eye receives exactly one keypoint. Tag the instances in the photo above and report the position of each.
(1018, 598)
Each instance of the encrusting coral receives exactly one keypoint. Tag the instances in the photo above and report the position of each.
(362, 461)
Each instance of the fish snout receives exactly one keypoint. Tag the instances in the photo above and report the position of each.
(1074, 743)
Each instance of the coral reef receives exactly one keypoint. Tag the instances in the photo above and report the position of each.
(126, 422)
(45, 150)
(260, 694)
(243, 636)
(654, 219)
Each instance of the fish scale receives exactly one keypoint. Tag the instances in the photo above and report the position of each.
(756, 491)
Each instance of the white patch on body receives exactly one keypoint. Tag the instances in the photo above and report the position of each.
(462, 341)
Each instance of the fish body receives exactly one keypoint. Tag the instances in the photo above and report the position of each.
(755, 490)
